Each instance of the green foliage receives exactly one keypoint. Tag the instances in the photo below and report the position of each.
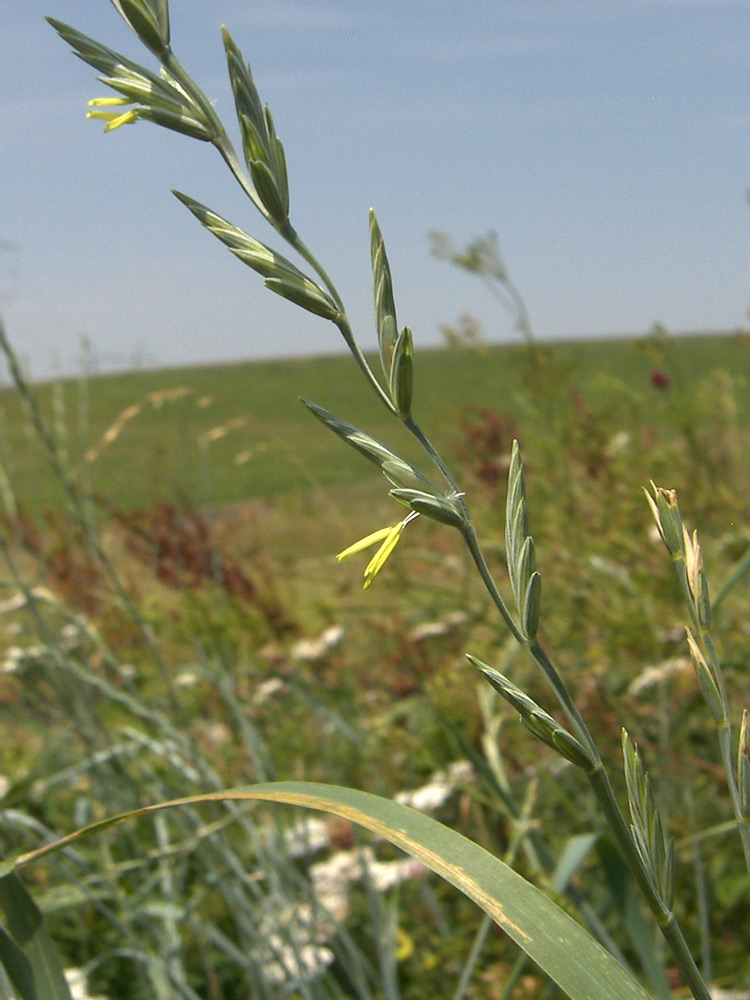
(212, 898)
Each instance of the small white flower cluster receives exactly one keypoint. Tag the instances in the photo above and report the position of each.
(332, 878)
(438, 789)
(17, 657)
(312, 650)
(267, 689)
(308, 836)
(438, 629)
(651, 676)
(79, 990)
(292, 964)
(18, 601)
(296, 943)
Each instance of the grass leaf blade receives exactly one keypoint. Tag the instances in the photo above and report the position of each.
(552, 939)
(40, 976)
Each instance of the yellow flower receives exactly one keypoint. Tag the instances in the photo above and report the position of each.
(389, 537)
(114, 119)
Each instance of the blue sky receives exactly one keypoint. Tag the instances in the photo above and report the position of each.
(606, 142)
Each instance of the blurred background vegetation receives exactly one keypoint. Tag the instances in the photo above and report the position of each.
(173, 620)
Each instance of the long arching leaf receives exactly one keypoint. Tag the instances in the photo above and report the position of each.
(553, 940)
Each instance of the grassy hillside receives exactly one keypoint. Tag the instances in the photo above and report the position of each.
(225, 433)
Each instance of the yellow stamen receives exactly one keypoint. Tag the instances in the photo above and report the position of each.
(365, 543)
(114, 120)
(381, 556)
(108, 102)
(129, 118)
(389, 538)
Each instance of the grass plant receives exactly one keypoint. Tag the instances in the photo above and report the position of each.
(220, 901)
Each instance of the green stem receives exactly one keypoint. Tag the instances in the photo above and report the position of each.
(724, 728)
(599, 782)
(220, 138)
(725, 746)
(174, 67)
(413, 427)
(346, 332)
(534, 648)
(229, 155)
(665, 918)
(290, 235)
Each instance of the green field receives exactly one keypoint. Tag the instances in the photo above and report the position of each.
(152, 611)
(273, 446)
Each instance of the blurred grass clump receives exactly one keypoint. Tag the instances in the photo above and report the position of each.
(173, 622)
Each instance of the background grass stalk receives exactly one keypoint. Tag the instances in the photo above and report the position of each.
(723, 727)
(602, 788)
(79, 509)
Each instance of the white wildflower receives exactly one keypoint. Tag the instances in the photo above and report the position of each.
(433, 630)
(438, 789)
(311, 650)
(651, 676)
(292, 964)
(307, 837)
(267, 689)
(79, 990)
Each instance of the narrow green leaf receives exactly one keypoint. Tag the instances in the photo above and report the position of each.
(257, 255)
(17, 967)
(246, 97)
(104, 59)
(626, 898)
(305, 294)
(736, 576)
(268, 191)
(532, 605)
(559, 946)
(385, 308)
(276, 159)
(743, 765)
(401, 379)
(27, 930)
(148, 19)
(438, 508)
(524, 566)
(403, 475)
